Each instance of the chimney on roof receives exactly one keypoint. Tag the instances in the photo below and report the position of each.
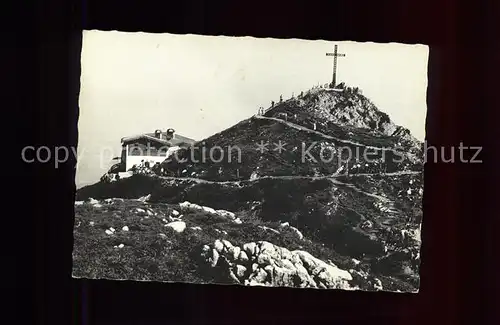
(158, 134)
(170, 134)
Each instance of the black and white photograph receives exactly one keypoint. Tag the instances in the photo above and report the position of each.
(250, 161)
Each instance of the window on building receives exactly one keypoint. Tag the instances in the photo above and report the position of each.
(135, 150)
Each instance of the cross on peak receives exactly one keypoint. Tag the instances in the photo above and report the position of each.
(335, 54)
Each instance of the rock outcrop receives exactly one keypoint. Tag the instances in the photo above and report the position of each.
(351, 108)
(187, 206)
(264, 264)
(177, 226)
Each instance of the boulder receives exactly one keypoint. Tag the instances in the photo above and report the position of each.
(235, 252)
(297, 232)
(269, 229)
(215, 257)
(226, 214)
(92, 201)
(218, 245)
(227, 245)
(209, 210)
(249, 248)
(178, 226)
(240, 270)
(184, 205)
(259, 276)
(243, 256)
(145, 198)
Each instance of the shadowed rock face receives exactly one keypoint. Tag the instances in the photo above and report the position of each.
(369, 210)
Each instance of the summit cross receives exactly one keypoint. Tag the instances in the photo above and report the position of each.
(335, 54)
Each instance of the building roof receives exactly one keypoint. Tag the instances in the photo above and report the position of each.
(174, 141)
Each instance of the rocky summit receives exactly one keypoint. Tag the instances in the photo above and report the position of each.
(318, 191)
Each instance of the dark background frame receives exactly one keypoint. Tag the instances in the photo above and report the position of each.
(458, 276)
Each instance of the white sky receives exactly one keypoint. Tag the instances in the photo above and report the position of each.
(199, 85)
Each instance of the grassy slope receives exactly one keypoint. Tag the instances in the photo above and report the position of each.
(396, 188)
(326, 213)
(154, 252)
(172, 256)
(328, 155)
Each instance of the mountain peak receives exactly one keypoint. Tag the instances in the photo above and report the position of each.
(345, 106)
(324, 173)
